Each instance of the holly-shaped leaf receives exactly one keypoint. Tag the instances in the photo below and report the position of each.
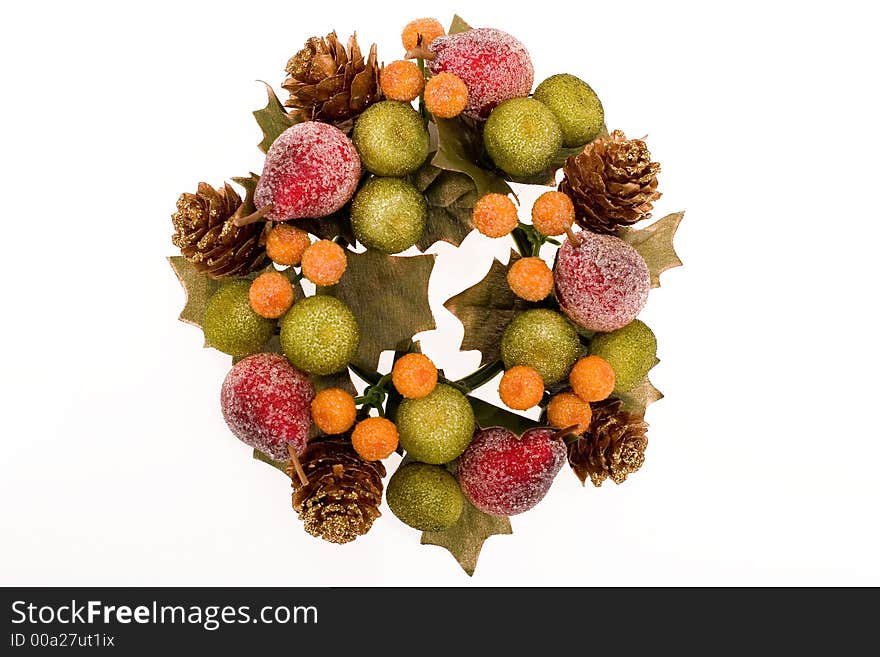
(279, 465)
(639, 398)
(465, 538)
(450, 197)
(458, 147)
(458, 25)
(485, 309)
(489, 415)
(272, 119)
(655, 244)
(198, 288)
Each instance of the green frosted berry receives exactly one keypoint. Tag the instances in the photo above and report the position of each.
(425, 497)
(230, 324)
(391, 139)
(389, 214)
(576, 107)
(522, 137)
(544, 340)
(631, 351)
(319, 335)
(436, 428)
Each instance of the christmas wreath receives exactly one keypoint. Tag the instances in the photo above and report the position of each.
(366, 161)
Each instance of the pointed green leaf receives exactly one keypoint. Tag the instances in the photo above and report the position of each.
(458, 148)
(489, 415)
(639, 398)
(198, 288)
(272, 119)
(465, 538)
(458, 25)
(655, 244)
(450, 197)
(280, 465)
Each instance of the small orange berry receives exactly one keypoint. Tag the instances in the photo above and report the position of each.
(446, 95)
(333, 411)
(552, 213)
(414, 376)
(530, 279)
(521, 387)
(271, 295)
(592, 379)
(495, 215)
(285, 244)
(374, 438)
(324, 262)
(567, 409)
(429, 28)
(402, 80)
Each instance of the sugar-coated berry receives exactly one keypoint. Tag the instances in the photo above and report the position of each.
(333, 411)
(286, 244)
(388, 214)
(271, 294)
(446, 95)
(428, 28)
(576, 106)
(567, 410)
(522, 137)
(592, 379)
(436, 428)
(402, 80)
(552, 213)
(495, 215)
(425, 497)
(374, 438)
(231, 325)
(631, 351)
(324, 263)
(543, 339)
(521, 387)
(530, 279)
(391, 139)
(320, 335)
(414, 376)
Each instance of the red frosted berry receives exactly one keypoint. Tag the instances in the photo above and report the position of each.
(312, 169)
(602, 283)
(492, 64)
(266, 403)
(503, 474)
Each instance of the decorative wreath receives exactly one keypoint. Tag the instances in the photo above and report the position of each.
(355, 173)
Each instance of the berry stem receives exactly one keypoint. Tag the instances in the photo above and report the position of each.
(523, 244)
(480, 377)
(253, 217)
(422, 109)
(572, 236)
(297, 466)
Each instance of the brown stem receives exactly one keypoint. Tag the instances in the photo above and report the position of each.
(420, 52)
(253, 216)
(572, 236)
(297, 466)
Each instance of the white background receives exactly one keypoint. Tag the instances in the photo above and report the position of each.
(116, 467)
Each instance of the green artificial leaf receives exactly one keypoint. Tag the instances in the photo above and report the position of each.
(458, 148)
(465, 538)
(330, 227)
(639, 398)
(485, 309)
(655, 244)
(489, 415)
(249, 184)
(458, 25)
(272, 119)
(450, 196)
(280, 465)
(339, 380)
(198, 287)
(389, 297)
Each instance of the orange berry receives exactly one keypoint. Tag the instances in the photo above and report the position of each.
(530, 279)
(414, 376)
(552, 213)
(285, 244)
(429, 28)
(374, 438)
(567, 409)
(495, 215)
(271, 295)
(521, 387)
(402, 80)
(333, 411)
(446, 95)
(324, 262)
(592, 379)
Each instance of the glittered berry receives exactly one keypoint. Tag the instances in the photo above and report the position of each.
(402, 80)
(576, 107)
(388, 214)
(375, 438)
(414, 376)
(567, 410)
(265, 401)
(530, 279)
(552, 213)
(544, 340)
(286, 244)
(503, 474)
(602, 282)
(428, 28)
(522, 137)
(391, 139)
(312, 169)
(425, 497)
(495, 215)
(631, 351)
(446, 95)
(592, 379)
(521, 387)
(271, 294)
(320, 335)
(333, 411)
(231, 325)
(324, 263)
(493, 65)
(437, 427)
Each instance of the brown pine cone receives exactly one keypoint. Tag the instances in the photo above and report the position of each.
(344, 492)
(613, 446)
(331, 83)
(206, 235)
(612, 183)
